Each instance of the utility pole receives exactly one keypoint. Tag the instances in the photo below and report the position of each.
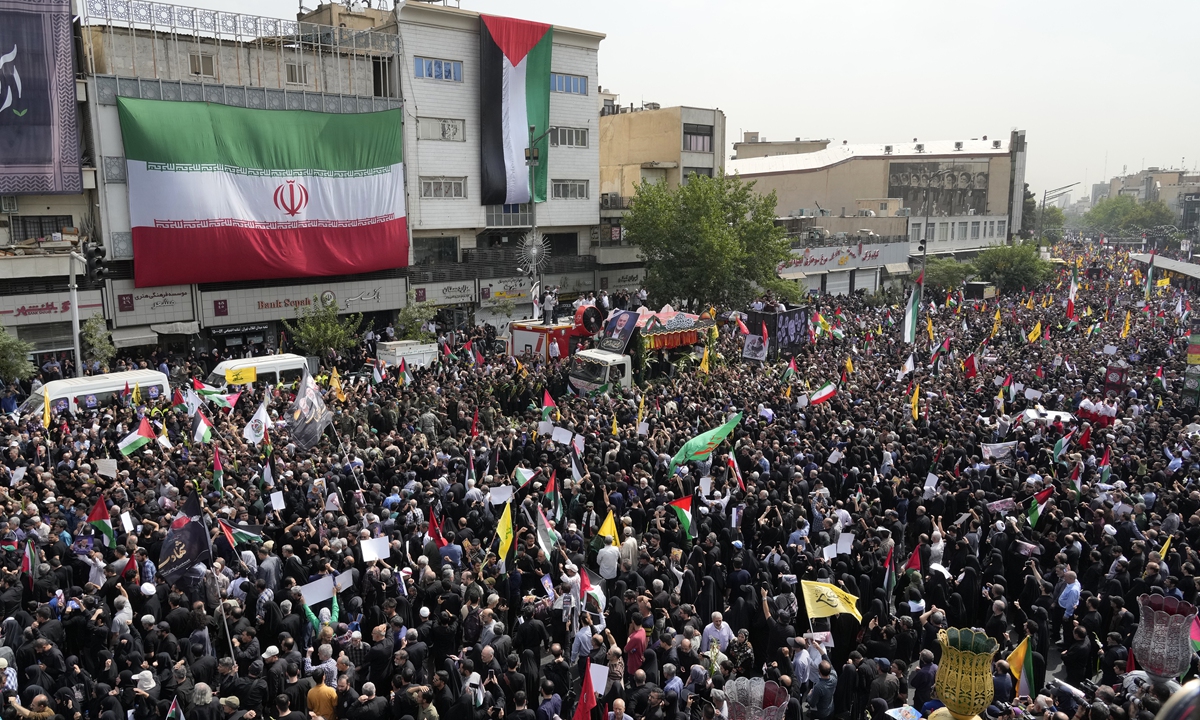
(532, 160)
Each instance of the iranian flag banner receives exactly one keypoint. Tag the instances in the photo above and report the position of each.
(514, 96)
(220, 193)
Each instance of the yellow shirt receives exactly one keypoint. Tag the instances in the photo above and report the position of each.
(322, 700)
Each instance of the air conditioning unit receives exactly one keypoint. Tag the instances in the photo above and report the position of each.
(958, 145)
(995, 144)
(614, 198)
(920, 147)
(8, 204)
(887, 149)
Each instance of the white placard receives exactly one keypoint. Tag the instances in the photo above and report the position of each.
(317, 591)
(643, 428)
(562, 436)
(277, 501)
(845, 543)
(127, 522)
(375, 548)
(577, 441)
(19, 474)
(931, 480)
(706, 486)
(500, 494)
(545, 427)
(344, 580)
(106, 467)
(1110, 349)
(1031, 394)
(599, 675)
(829, 552)
(1018, 387)
(998, 381)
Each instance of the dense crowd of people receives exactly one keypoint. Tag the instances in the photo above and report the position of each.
(675, 606)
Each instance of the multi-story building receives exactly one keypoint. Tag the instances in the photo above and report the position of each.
(648, 144)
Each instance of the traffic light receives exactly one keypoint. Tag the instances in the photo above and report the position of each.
(921, 243)
(94, 254)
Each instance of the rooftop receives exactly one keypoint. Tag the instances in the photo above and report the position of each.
(835, 154)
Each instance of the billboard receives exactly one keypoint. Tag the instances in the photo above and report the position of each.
(39, 136)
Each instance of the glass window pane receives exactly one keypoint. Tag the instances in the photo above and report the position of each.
(457, 72)
(437, 69)
(417, 62)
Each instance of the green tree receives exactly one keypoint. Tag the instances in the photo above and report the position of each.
(1028, 214)
(319, 330)
(412, 317)
(1013, 267)
(1123, 215)
(945, 273)
(97, 341)
(709, 242)
(1051, 220)
(14, 357)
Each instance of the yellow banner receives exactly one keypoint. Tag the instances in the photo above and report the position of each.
(1165, 282)
(241, 377)
(823, 600)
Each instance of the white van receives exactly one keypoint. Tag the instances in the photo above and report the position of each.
(89, 393)
(273, 369)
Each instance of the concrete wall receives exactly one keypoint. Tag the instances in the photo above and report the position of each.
(784, 147)
(632, 142)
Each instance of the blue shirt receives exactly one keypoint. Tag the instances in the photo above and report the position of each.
(1069, 598)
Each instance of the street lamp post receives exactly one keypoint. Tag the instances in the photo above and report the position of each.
(532, 160)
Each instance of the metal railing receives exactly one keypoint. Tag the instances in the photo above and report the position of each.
(806, 240)
(609, 201)
(143, 39)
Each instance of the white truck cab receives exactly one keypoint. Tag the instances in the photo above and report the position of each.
(592, 369)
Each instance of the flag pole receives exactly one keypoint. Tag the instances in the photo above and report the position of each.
(225, 619)
(342, 449)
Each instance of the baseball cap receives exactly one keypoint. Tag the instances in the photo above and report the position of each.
(271, 652)
(231, 702)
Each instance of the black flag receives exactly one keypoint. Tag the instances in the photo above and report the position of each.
(308, 417)
(185, 547)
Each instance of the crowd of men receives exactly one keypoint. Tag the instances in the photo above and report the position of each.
(674, 606)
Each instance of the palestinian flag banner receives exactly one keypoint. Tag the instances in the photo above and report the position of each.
(912, 312)
(175, 712)
(790, 372)
(548, 405)
(914, 561)
(554, 496)
(523, 475)
(823, 393)
(218, 470)
(177, 400)
(202, 428)
(1061, 446)
(514, 96)
(683, 509)
(239, 534)
(1039, 506)
(405, 376)
(100, 519)
(138, 438)
(273, 193)
(590, 585)
(547, 539)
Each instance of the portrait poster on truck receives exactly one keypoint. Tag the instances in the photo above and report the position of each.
(617, 331)
(755, 348)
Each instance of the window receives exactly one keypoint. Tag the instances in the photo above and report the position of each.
(449, 70)
(435, 250)
(697, 138)
(690, 171)
(570, 189)
(569, 137)
(441, 129)
(991, 228)
(975, 230)
(962, 231)
(883, 207)
(929, 229)
(202, 64)
(569, 84)
(381, 77)
(508, 215)
(915, 233)
(31, 227)
(444, 187)
(297, 73)
(943, 232)
(1000, 227)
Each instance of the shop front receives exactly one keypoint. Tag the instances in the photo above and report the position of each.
(455, 301)
(44, 319)
(157, 316)
(249, 322)
(502, 300)
(570, 285)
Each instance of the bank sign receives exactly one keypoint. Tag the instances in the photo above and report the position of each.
(845, 257)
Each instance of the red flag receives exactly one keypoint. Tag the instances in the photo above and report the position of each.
(742, 327)
(130, 568)
(435, 531)
(914, 560)
(921, 278)
(1039, 372)
(1007, 381)
(764, 331)
(1070, 309)
(475, 424)
(969, 366)
(587, 695)
(1086, 438)
(1129, 666)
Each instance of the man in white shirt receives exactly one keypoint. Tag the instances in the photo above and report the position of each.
(718, 630)
(609, 558)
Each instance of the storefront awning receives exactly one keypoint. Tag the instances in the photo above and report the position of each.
(177, 328)
(898, 268)
(793, 274)
(129, 337)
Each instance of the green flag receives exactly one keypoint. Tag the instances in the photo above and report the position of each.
(702, 445)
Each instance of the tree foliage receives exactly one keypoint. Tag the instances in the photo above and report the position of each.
(320, 331)
(708, 242)
(1124, 215)
(1029, 210)
(945, 273)
(14, 357)
(413, 316)
(1013, 267)
(97, 341)
(1051, 220)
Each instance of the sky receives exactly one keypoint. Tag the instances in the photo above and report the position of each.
(1096, 86)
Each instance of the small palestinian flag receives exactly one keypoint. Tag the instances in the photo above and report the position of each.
(942, 349)
(225, 401)
(100, 519)
(1160, 379)
(1105, 465)
(1061, 446)
(548, 405)
(405, 376)
(240, 534)
(914, 561)
(823, 393)
(175, 712)
(138, 438)
(547, 539)
(790, 372)
(202, 428)
(683, 510)
(218, 471)
(177, 400)
(524, 475)
(1039, 506)
(555, 497)
(470, 350)
(1076, 484)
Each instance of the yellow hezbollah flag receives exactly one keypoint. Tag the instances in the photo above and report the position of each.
(787, 393)
(137, 393)
(616, 431)
(1165, 282)
(916, 400)
(504, 531)
(823, 600)
(996, 324)
(609, 529)
(1125, 330)
(243, 376)
(704, 362)
(1162, 552)
(641, 409)
(46, 409)
(849, 365)
(1036, 332)
(335, 382)
(929, 327)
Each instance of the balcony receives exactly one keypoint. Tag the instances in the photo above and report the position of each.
(613, 201)
(494, 263)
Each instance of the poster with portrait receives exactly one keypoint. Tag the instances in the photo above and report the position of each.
(617, 331)
(308, 417)
(755, 347)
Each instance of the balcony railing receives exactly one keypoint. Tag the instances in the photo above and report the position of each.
(611, 201)
(487, 263)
